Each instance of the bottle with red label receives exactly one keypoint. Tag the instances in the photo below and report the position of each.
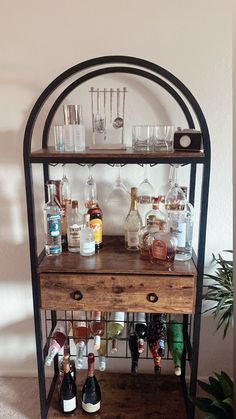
(162, 247)
(95, 213)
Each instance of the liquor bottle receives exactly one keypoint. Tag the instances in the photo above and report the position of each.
(133, 346)
(52, 223)
(66, 354)
(175, 341)
(157, 214)
(116, 328)
(87, 240)
(102, 353)
(140, 329)
(65, 201)
(97, 327)
(91, 393)
(68, 390)
(133, 224)
(162, 247)
(74, 226)
(81, 334)
(180, 218)
(96, 223)
(152, 225)
(57, 341)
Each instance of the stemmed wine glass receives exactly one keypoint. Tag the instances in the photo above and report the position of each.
(119, 193)
(65, 188)
(90, 190)
(175, 198)
(146, 194)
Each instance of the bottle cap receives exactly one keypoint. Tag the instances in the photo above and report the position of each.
(177, 371)
(102, 363)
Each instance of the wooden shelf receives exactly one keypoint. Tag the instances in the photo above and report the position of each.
(112, 258)
(49, 155)
(124, 396)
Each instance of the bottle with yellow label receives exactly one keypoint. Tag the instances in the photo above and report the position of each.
(96, 223)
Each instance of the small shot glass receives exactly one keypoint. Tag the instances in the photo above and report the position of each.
(58, 138)
(141, 135)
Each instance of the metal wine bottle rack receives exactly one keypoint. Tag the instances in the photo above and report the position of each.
(124, 352)
(55, 282)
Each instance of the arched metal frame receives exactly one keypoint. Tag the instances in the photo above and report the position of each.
(172, 85)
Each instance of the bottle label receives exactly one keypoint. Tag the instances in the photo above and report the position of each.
(89, 247)
(74, 235)
(96, 225)
(69, 405)
(159, 249)
(133, 239)
(178, 228)
(54, 225)
(90, 408)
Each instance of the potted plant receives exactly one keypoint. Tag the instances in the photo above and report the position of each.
(220, 389)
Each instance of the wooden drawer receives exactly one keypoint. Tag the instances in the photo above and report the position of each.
(145, 293)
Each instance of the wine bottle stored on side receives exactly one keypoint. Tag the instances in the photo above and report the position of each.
(81, 334)
(97, 327)
(156, 339)
(57, 341)
(175, 341)
(68, 390)
(133, 346)
(116, 328)
(102, 353)
(91, 392)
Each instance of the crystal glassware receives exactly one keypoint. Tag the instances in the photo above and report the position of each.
(119, 194)
(90, 190)
(162, 138)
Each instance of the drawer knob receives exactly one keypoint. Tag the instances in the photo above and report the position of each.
(152, 297)
(78, 295)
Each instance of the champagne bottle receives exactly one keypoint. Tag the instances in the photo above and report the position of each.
(81, 334)
(91, 393)
(133, 346)
(116, 328)
(140, 330)
(133, 224)
(57, 341)
(66, 353)
(97, 327)
(68, 391)
(175, 341)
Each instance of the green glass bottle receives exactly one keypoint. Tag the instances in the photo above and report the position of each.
(175, 341)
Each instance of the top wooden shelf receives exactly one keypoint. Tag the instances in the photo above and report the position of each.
(113, 258)
(128, 156)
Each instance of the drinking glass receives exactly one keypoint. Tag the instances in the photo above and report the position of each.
(90, 189)
(162, 138)
(146, 194)
(119, 193)
(141, 136)
(58, 138)
(175, 198)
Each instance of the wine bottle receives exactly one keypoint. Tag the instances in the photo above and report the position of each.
(116, 328)
(102, 353)
(66, 353)
(175, 341)
(156, 338)
(57, 341)
(68, 391)
(81, 334)
(97, 327)
(133, 224)
(133, 346)
(91, 393)
(141, 330)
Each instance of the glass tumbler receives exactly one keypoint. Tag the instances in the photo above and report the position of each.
(141, 135)
(162, 138)
(58, 138)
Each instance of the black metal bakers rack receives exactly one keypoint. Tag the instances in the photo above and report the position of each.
(190, 107)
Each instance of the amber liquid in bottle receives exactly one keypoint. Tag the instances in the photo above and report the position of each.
(95, 213)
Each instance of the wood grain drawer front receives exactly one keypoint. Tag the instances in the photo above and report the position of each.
(168, 294)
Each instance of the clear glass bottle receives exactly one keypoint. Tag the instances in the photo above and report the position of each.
(133, 224)
(180, 218)
(150, 227)
(162, 247)
(160, 216)
(87, 240)
(74, 226)
(102, 353)
(52, 223)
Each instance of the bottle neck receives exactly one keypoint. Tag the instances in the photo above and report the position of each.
(90, 365)
(51, 193)
(134, 204)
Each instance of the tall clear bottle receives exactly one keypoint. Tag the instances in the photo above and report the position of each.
(52, 223)
(133, 224)
(180, 218)
(74, 226)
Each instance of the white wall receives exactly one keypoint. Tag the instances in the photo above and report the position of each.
(39, 40)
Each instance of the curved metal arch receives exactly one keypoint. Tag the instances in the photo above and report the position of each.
(112, 60)
(110, 70)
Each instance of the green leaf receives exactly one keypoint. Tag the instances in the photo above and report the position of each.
(226, 386)
(215, 385)
(203, 403)
(228, 401)
(228, 379)
(214, 390)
